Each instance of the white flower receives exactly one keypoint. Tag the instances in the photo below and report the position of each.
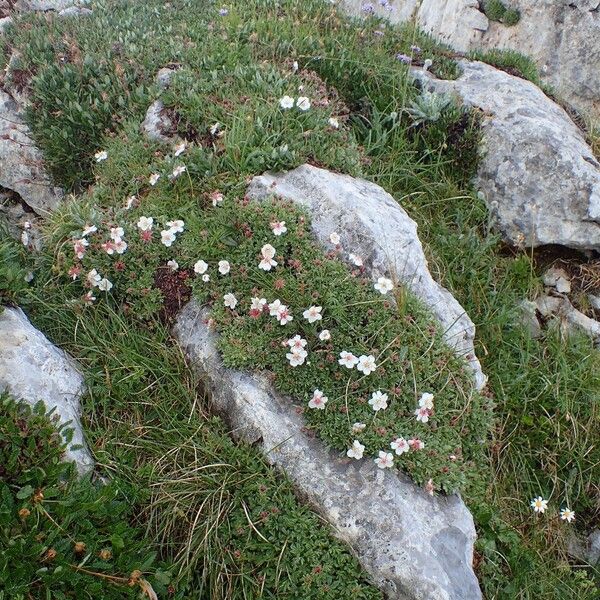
(284, 315)
(355, 260)
(297, 342)
(384, 285)
(224, 267)
(325, 335)
(378, 401)
(24, 238)
(358, 427)
(105, 285)
(567, 515)
(116, 233)
(347, 359)
(145, 223)
(318, 400)
(278, 227)
(274, 307)
(303, 103)
(295, 66)
(427, 63)
(173, 265)
(313, 314)
(257, 304)
(93, 278)
(89, 298)
(130, 202)
(366, 364)
(180, 148)
(101, 155)
(206, 277)
(176, 226)
(167, 237)
(267, 252)
(200, 267)
(426, 401)
(216, 198)
(400, 446)
(214, 128)
(79, 247)
(153, 179)
(334, 238)
(385, 460)
(333, 122)
(89, 229)
(286, 102)
(120, 246)
(356, 450)
(230, 300)
(422, 414)
(296, 357)
(539, 505)
(177, 171)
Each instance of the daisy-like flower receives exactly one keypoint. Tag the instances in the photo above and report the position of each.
(176, 226)
(284, 316)
(399, 446)
(356, 450)
(200, 267)
(74, 272)
(426, 401)
(539, 505)
(333, 122)
(334, 238)
(366, 364)
(116, 233)
(297, 342)
(130, 202)
(325, 335)
(206, 277)
(384, 285)
(567, 514)
(105, 285)
(319, 400)
(286, 102)
(230, 300)
(422, 414)
(93, 278)
(167, 237)
(224, 267)
(173, 265)
(385, 460)
(358, 427)
(267, 253)
(177, 171)
(89, 298)
(216, 198)
(378, 401)
(256, 306)
(416, 444)
(153, 179)
(347, 359)
(120, 245)
(79, 247)
(303, 103)
(274, 307)
(296, 357)
(278, 228)
(180, 148)
(101, 155)
(313, 314)
(355, 260)
(89, 229)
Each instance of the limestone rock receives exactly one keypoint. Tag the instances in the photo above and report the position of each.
(33, 369)
(414, 546)
(373, 225)
(45, 5)
(538, 175)
(157, 125)
(22, 168)
(75, 11)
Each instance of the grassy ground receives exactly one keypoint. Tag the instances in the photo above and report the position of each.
(91, 82)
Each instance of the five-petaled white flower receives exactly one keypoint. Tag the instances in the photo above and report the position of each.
(333, 122)
(119, 245)
(358, 427)
(296, 356)
(318, 400)
(297, 342)
(230, 300)
(334, 238)
(366, 364)
(567, 514)
(286, 102)
(177, 171)
(399, 446)
(284, 315)
(384, 285)
(173, 265)
(179, 148)
(101, 155)
(278, 227)
(385, 460)
(79, 247)
(313, 313)
(274, 307)
(167, 237)
(303, 103)
(267, 253)
(153, 180)
(200, 267)
(539, 505)
(355, 260)
(116, 233)
(176, 226)
(426, 401)
(257, 304)
(378, 401)
(105, 285)
(422, 414)
(145, 223)
(325, 335)
(93, 278)
(89, 229)
(224, 267)
(347, 359)
(356, 450)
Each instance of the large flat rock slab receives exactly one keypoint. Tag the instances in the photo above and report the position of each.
(33, 369)
(373, 225)
(413, 545)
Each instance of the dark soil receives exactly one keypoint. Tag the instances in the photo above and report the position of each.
(175, 289)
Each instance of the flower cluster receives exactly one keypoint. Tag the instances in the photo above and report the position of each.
(539, 506)
(302, 103)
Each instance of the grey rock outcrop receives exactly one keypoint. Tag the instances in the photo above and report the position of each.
(413, 545)
(33, 369)
(538, 176)
(46, 5)
(157, 125)
(373, 225)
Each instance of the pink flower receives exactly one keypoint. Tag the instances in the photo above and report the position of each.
(284, 315)
(257, 306)
(318, 400)
(297, 343)
(385, 460)
(74, 272)
(278, 228)
(109, 247)
(216, 198)
(422, 414)
(400, 446)
(348, 360)
(416, 444)
(79, 247)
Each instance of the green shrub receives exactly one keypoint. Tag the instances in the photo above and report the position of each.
(496, 10)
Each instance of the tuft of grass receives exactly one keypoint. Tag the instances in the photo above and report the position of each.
(511, 61)
(496, 10)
